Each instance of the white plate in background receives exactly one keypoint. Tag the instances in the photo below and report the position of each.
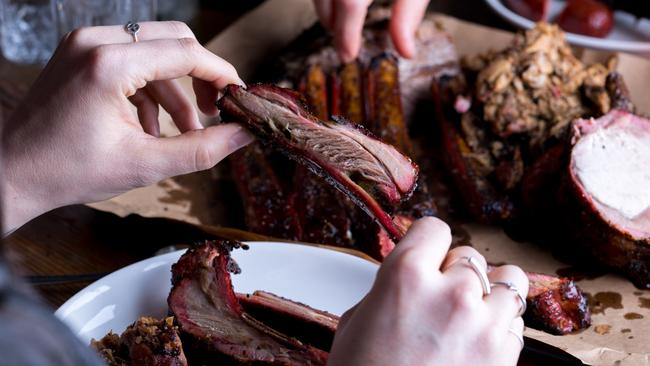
(322, 278)
(629, 34)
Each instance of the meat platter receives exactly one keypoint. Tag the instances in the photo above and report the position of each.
(491, 239)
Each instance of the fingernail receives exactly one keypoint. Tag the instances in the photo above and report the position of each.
(241, 138)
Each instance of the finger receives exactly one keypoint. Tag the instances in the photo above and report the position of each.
(349, 16)
(458, 270)
(192, 151)
(405, 18)
(170, 96)
(505, 303)
(345, 318)
(88, 37)
(513, 345)
(324, 11)
(166, 59)
(426, 242)
(147, 112)
(206, 96)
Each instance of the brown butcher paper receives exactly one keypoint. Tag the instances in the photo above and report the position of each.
(620, 312)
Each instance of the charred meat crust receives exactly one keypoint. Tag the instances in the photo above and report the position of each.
(267, 208)
(555, 305)
(297, 320)
(383, 89)
(212, 322)
(323, 212)
(348, 157)
(350, 95)
(618, 93)
(147, 342)
(313, 87)
(479, 196)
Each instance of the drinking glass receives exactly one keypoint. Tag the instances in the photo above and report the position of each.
(31, 29)
(28, 30)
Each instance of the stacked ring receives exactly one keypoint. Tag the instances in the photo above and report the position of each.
(474, 264)
(510, 286)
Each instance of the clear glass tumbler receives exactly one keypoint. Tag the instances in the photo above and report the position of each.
(28, 30)
(31, 29)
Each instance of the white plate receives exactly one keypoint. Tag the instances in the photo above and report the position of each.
(629, 34)
(321, 278)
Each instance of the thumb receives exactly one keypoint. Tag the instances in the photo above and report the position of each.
(196, 150)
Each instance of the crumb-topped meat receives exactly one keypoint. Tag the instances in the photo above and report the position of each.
(536, 87)
(147, 342)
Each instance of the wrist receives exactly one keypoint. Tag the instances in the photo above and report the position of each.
(21, 202)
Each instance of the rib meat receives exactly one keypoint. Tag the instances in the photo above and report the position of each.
(297, 320)
(606, 192)
(555, 304)
(479, 196)
(267, 208)
(361, 166)
(323, 211)
(212, 322)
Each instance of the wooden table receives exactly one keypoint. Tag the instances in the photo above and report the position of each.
(78, 240)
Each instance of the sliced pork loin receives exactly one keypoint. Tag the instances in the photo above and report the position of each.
(373, 174)
(607, 192)
(213, 325)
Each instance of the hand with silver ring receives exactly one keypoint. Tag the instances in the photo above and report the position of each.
(89, 128)
(430, 306)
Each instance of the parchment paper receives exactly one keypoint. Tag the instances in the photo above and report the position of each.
(621, 324)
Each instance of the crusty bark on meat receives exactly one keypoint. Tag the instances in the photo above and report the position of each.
(478, 194)
(374, 174)
(555, 305)
(267, 208)
(212, 322)
(350, 96)
(147, 342)
(322, 209)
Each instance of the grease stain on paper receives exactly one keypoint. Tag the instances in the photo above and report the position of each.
(602, 301)
(644, 302)
(602, 329)
(633, 316)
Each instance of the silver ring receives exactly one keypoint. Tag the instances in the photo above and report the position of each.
(519, 337)
(132, 28)
(510, 286)
(474, 264)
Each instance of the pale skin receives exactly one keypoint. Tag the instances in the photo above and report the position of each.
(344, 18)
(78, 139)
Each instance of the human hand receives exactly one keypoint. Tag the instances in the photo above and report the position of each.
(345, 19)
(77, 137)
(416, 314)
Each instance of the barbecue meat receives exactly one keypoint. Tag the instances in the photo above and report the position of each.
(358, 164)
(311, 326)
(555, 304)
(147, 342)
(267, 207)
(212, 322)
(606, 192)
